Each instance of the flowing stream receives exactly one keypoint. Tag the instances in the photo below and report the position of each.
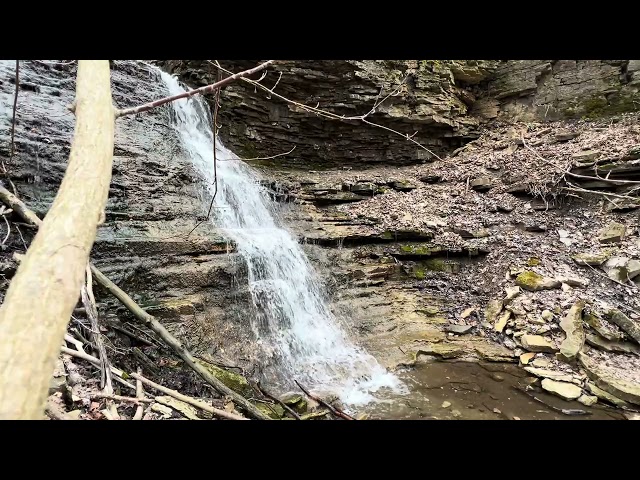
(298, 334)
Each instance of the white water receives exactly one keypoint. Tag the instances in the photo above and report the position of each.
(298, 334)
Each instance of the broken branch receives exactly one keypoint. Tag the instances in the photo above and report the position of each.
(189, 400)
(191, 93)
(333, 409)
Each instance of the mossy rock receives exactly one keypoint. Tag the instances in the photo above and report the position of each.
(533, 262)
(296, 401)
(272, 410)
(534, 282)
(235, 382)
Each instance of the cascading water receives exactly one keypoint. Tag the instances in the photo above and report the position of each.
(292, 322)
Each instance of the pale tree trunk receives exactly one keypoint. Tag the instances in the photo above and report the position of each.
(46, 287)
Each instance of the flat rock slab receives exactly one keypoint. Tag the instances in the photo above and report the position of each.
(611, 379)
(553, 375)
(631, 327)
(537, 343)
(459, 329)
(534, 282)
(612, 233)
(612, 346)
(567, 391)
(572, 326)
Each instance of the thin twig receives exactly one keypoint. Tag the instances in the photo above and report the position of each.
(206, 89)
(120, 398)
(278, 401)
(119, 374)
(139, 394)
(333, 409)
(269, 158)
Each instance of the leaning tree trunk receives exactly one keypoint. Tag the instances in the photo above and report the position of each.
(46, 287)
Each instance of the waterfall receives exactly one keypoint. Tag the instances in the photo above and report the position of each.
(292, 322)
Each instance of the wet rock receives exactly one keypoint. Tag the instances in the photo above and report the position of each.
(502, 320)
(612, 346)
(296, 401)
(525, 358)
(631, 327)
(567, 391)
(235, 382)
(534, 282)
(612, 233)
(537, 343)
(592, 259)
(274, 411)
(553, 375)
(607, 380)
(443, 350)
(572, 326)
(458, 329)
(606, 396)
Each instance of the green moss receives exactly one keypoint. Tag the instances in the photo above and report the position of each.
(437, 265)
(419, 273)
(274, 410)
(235, 382)
(533, 262)
(418, 249)
(387, 235)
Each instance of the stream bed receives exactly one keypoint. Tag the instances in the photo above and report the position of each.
(441, 390)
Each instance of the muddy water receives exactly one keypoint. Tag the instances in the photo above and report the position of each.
(479, 391)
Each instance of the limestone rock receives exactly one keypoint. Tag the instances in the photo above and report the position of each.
(572, 326)
(612, 233)
(592, 259)
(534, 282)
(553, 375)
(235, 382)
(184, 408)
(446, 404)
(402, 186)
(537, 343)
(459, 329)
(511, 293)
(482, 184)
(565, 135)
(525, 358)
(492, 310)
(612, 383)
(467, 312)
(588, 400)
(575, 282)
(567, 391)
(502, 321)
(586, 156)
(595, 322)
(612, 346)
(606, 396)
(631, 327)
(547, 315)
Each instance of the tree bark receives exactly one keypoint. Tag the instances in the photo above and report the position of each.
(46, 287)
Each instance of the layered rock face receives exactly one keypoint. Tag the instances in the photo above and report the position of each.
(441, 104)
(155, 200)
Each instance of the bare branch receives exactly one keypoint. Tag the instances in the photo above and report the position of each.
(330, 115)
(206, 89)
